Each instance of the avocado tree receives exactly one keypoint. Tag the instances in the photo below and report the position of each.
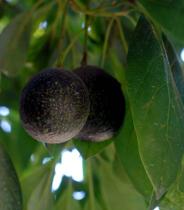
(91, 105)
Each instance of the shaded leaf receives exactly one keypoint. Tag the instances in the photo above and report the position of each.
(31, 180)
(156, 107)
(89, 148)
(14, 42)
(169, 14)
(174, 199)
(66, 201)
(41, 196)
(177, 70)
(10, 193)
(127, 151)
(117, 193)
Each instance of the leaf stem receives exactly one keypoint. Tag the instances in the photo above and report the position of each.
(107, 36)
(69, 48)
(63, 21)
(90, 185)
(95, 12)
(85, 54)
(122, 36)
(152, 202)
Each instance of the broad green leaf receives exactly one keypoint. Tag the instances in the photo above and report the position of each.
(88, 206)
(20, 155)
(10, 192)
(117, 193)
(127, 151)
(32, 179)
(156, 106)
(174, 199)
(88, 148)
(167, 13)
(66, 201)
(14, 42)
(177, 70)
(41, 197)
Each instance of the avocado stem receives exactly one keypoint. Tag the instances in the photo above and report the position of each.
(85, 48)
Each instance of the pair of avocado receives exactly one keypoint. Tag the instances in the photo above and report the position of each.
(57, 105)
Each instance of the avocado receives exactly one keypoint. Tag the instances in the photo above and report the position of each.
(54, 106)
(107, 104)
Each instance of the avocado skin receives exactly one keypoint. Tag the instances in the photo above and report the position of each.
(107, 104)
(54, 106)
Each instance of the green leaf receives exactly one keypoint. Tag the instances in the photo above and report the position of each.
(156, 106)
(32, 179)
(10, 193)
(117, 193)
(168, 13)
(14, 42)
(66, 201)
(174, 199)
(177, 70)
(88, 148)
(127, 150)
(41, 196)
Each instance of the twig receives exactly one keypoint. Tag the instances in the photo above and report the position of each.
(122, 36)
(107, 35)
(85, 54)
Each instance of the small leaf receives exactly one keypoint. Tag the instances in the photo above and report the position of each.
(14, 42)
(89, 148)
(156, 106)
(10, 192)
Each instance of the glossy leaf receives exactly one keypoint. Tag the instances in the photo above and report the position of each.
(156, 106)
(169, 14)
(177, 70)
(14, 42)
(127, 150)
(10, 193)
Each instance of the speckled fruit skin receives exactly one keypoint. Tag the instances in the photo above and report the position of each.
(54, 106)
(107, 104)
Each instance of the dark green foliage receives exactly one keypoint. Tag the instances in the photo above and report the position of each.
(54, 106)
(10, 192)
(142, 165)
(107, 104)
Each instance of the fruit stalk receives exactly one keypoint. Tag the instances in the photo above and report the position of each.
(85, 54)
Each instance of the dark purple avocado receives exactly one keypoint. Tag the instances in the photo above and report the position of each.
(107, 104)
(54, 106)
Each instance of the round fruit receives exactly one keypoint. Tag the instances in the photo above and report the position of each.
(54, 106)
(107, 104)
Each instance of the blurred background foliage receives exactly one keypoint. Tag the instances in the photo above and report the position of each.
(111, 175)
